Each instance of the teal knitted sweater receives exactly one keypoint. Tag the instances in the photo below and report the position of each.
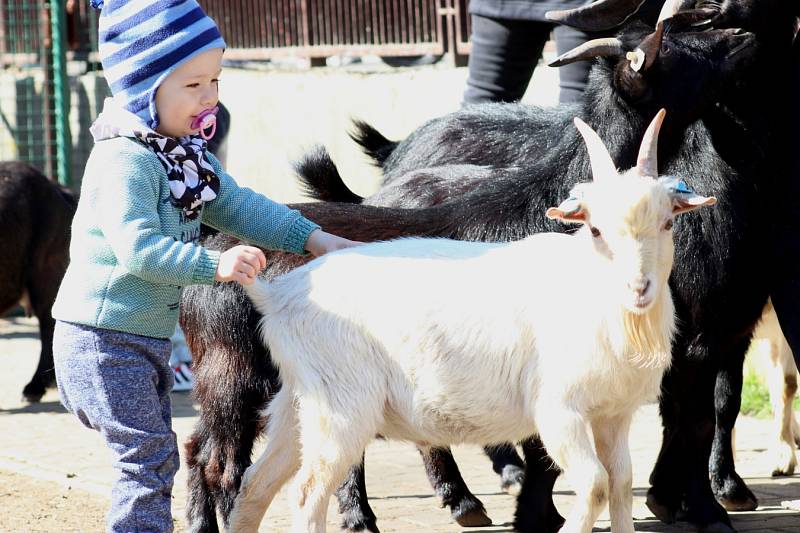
(132, 250)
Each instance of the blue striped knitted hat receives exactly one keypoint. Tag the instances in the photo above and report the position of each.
(143, 41)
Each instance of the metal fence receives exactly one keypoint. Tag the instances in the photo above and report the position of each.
(258, 29)
(51, 86)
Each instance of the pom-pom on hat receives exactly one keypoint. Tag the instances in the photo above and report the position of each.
(143, 41)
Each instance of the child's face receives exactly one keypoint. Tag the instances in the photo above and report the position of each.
(187, 91)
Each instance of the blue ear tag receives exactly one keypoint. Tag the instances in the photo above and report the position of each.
(675, 185)
(97, 4)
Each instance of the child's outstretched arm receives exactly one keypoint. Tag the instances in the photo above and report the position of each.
(321, 242)
(256, 219)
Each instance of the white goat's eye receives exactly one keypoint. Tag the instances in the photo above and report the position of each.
(668, 225)
(595, 231)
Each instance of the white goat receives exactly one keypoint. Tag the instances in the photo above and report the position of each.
(441, 342)
(781, 377)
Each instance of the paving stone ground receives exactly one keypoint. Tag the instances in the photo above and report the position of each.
(56, 476)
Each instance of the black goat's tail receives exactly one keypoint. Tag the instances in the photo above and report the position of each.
(320, 179)
(378, 147)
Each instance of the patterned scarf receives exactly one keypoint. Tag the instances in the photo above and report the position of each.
(192, 180)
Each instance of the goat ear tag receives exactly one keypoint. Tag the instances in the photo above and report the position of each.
(684, 199)
(570, 210)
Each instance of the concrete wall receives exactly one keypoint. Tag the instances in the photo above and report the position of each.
(277, 115)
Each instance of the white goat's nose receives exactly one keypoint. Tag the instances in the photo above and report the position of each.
(639, 286)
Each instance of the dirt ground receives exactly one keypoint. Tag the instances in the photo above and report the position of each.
(55, 507)
(56, 476)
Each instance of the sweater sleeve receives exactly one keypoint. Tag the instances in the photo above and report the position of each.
(127, 202)
(255, 218)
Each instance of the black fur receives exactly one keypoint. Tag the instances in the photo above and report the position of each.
(35, 217)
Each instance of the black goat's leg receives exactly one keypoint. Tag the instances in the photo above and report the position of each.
(680, 487)
(536, 511)
(668, 478)
(446, 480)
(357, 515)
(507, 463)
(729, 488)
(42, 296)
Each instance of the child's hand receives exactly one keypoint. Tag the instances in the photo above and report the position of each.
(321, 242)
(241, 264)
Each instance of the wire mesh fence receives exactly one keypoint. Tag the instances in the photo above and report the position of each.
(34, 121)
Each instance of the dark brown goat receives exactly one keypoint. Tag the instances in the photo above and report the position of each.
(35, 217)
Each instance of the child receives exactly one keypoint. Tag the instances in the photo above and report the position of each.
(148, 184)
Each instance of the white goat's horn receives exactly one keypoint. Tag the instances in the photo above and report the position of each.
(602, 164)
(647, 162)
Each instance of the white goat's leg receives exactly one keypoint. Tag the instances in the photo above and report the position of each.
(332, 442)
(281, 459)
(611, 440)
(782, 382)
(565, 435)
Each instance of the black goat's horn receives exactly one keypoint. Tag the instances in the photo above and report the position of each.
(650, 47)
(610, 46)
(597, 16)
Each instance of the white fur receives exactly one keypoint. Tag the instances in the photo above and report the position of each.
(442, 342)
(781, 379)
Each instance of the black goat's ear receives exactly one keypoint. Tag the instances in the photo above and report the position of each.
(631, 84)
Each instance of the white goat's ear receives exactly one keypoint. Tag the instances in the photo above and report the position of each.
(684, 199)
(602, 164)
(570, 210)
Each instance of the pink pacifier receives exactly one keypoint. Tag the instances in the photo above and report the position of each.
(205, 120)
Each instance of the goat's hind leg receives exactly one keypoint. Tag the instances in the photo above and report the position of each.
(782, 381)
(331, 444)
(281, 459)
(42, 295)
(442, 470)
(729, 488)
(535, 504)
(354, 507)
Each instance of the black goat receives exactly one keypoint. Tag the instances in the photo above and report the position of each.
(737, 151)
(233, 373)
(35, 217)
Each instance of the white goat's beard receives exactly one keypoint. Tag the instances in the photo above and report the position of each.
(639, 305)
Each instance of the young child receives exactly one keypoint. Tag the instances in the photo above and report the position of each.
(148, 184)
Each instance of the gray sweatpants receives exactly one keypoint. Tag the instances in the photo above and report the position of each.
(118, 384)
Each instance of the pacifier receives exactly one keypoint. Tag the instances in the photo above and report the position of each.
(205, 120)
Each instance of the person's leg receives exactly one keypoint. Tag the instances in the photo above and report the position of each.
(503, 57)
(119, 385)
(572, 78)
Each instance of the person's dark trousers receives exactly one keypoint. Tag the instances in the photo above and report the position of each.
(505, 54)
